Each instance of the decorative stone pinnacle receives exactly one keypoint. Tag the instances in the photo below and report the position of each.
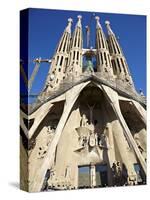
(68, 28)
(97, 18)
(70, 20)
(110, 32)
(107, 22)
(79, 16)
(98, 23)
(79, 21)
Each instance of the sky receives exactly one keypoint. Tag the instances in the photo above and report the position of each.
(45, 28)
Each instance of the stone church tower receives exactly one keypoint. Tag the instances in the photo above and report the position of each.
(88, 126)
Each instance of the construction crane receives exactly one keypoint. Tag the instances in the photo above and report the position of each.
(37, 62)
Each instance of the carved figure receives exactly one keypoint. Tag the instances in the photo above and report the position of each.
(117, 173)
(92, 140)
(84, 121)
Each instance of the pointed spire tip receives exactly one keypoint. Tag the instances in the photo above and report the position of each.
(97, 18)
(107, 22)
(68, 28)
(70, 20)
(79, 16)
(98, 25)
(110, 32)
(79, 21)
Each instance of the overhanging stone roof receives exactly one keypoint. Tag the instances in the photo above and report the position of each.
(122, 89)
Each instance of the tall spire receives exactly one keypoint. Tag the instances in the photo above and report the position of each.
(103, 57)
(119, 64)
(60, 59)
(75, 56)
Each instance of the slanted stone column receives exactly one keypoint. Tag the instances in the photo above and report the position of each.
(140, 110)
(24, 128)
(108, 118)
(23, 167)
(124, 151)
(125, 134)
(37, 180)
(111, 152)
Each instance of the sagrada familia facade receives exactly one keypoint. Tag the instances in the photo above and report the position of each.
(87, 128)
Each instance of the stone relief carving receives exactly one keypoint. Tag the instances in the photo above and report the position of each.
(52, 174)
(120, 176)
(42, 152)
(60, 182)
(89, 135)
(93, 140)
(132, 179)
(103, 139)
(84, 121)
(51, 131)
(117, 173)
(44, 143)
(136, 137)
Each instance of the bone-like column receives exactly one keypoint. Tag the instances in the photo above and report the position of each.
(71, 97)
(110, 142)
(140, 110)
(111, 151)
(123, 147)
(38, 119)
(112, 97)
(41, 113)
(22, 125)
(23, 167)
